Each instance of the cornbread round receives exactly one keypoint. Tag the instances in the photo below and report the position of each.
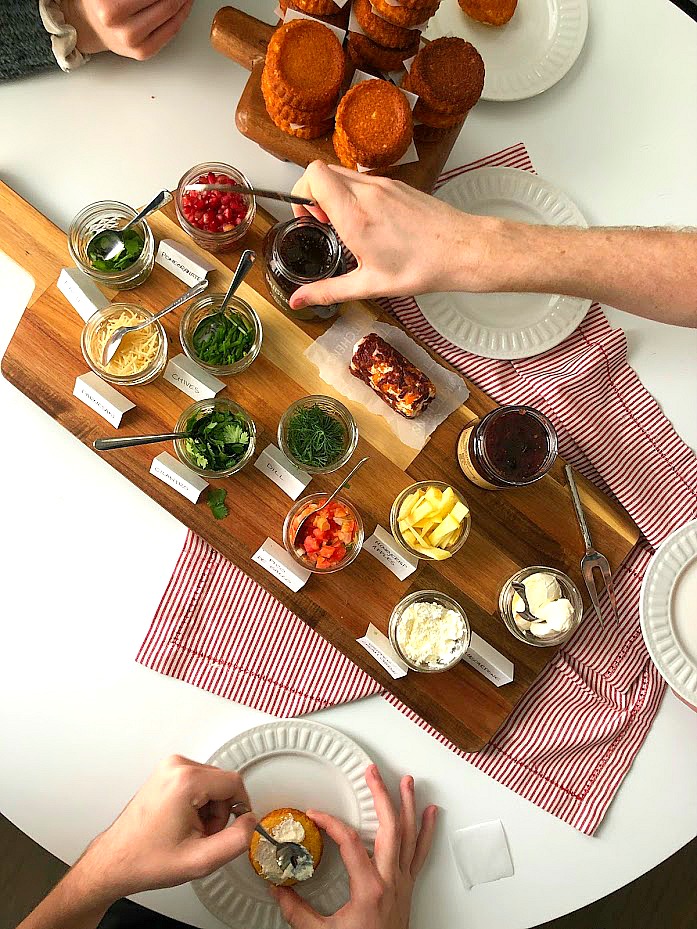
(379, 30)
(403, 16)
(306, 64)
(364, 53)
(448, 75)
(342, 152)
(337, 17)
(280, 110)
(311, 131)
(317, 7)
(312, 841)
(415, 4)
(424, 114)
(374, 121)
(491, 12)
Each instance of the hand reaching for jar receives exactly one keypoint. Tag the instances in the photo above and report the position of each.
(132, 28)
(381, 887)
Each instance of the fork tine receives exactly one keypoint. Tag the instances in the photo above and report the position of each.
(604, 566)
(587, 570)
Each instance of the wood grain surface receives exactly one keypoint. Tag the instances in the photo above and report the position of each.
(510, 530)
(243, 38)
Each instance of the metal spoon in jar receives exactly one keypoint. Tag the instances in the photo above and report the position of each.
(247, 259)
(257, 191)
(106, 445)
(331, 497)
(109, 243)
(117, 335)
(524, 613)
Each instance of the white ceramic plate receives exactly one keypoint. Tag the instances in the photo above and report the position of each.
(506, 325)
(302, 764)
(526, 56)
(667, 610)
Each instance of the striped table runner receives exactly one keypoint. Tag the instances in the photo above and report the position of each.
(572, 739)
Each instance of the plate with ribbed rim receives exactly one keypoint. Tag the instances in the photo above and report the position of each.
(667, 611)
(529, 54)
(301, 764)
(506, 325)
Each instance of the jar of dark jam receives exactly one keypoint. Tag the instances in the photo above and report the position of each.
(299, 252)
(510, 447)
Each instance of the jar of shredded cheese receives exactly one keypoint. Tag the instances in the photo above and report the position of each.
(140, 357)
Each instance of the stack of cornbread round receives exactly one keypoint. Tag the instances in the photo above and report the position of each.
(448, 77)
(326, 10)
(390, 32)
(373, 126)
(302, 78)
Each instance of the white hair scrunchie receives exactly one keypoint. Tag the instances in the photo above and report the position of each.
(63, 36)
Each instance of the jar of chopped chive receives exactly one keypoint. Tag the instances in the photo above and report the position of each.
(133, 265)
(317, 434)
(222, 343)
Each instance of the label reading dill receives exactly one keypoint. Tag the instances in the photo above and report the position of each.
(274, 464)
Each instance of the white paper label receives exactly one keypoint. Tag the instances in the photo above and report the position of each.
(380, 648)
(81, 292)
(102, 398)
(274, 464)
(488, 661)
(387, 550)
(276, 560)
(191, 378)
(171, 471)
(182, 262)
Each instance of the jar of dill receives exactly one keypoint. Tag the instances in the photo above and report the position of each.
(317, 434)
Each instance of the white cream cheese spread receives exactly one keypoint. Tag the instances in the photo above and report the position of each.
(553, 613)
(288, 830)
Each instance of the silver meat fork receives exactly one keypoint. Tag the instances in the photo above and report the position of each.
(592, 559)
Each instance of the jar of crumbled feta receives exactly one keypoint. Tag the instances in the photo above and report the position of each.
(429, 631)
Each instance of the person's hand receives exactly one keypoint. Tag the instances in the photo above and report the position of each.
(380, 887)
(132, 28)
(173, 830)
(405, 241)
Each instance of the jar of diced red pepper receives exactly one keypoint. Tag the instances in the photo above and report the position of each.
(215, 219)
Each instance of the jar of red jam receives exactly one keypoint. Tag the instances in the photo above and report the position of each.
(512, 446)
(215, 219)
(302, 251)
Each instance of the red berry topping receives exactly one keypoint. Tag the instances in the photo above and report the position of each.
(214, 210)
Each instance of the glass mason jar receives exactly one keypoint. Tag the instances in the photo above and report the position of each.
(209, 305)
(447, 603)
(512, 446)
(332, 408)
(465, 525)
(315, 502)
(201, 408)
(569, 591)
(91, 356)
(302, 251)
(110, 214)
(215, 241)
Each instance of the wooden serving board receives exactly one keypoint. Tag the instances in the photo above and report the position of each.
(244, 39)
(510, 530)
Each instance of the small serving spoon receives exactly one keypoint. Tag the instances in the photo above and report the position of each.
(111, 242)
(257, 191)
(287, 853)
(106, 445)
(525, 614)
(329, 498)
(117, 335)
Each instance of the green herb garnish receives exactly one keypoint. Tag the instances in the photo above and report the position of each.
(216, 501)
(133, 242)
(219, 440)
(223, 338)
(315, 437)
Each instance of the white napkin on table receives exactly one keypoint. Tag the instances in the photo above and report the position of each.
(481, 853)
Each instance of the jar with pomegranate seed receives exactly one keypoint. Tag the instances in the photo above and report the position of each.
(215, 219)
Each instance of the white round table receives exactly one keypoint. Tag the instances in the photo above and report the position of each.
(81, 724)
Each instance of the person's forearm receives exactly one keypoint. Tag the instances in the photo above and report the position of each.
(649, 272)
(77, 902)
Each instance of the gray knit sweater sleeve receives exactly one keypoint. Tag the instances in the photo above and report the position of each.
(25, 46)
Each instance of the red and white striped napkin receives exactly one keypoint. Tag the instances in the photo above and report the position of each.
(572, 739)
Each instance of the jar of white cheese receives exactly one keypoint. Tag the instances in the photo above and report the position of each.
(429, 631)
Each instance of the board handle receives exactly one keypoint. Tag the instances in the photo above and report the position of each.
(240, 36)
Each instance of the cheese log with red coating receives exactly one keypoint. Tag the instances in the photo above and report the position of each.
(392, 376)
